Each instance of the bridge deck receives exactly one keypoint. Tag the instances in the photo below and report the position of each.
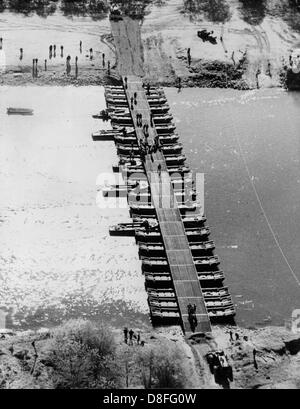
(182, 267)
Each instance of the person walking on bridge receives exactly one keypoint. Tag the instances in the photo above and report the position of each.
(189, 56)
(131, 333)
(159, 170)
(125, 335)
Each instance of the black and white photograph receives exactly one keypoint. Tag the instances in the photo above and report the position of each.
(149, 197)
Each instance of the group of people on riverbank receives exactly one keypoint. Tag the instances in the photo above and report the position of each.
(53, 54)
(130, 336)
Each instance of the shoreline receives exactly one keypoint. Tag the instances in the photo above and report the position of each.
(276, 365)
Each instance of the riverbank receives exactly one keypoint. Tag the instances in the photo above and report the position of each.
(250, 49)
(27, 365)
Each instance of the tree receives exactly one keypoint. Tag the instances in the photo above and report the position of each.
(83, 356)
(253, 11)
(161, 366)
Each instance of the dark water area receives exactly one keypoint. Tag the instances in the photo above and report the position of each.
(247, 144)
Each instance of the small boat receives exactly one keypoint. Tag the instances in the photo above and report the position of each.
(152, 100)
(221, 313)
(175, 171)
(215, 292)
(161, 119)
(104, 115)
(121, 120)
(103, 136)
(165, 129)
(159, 314)
(219, 303)
(124, 229)
(160, 109)
(120, 230)
(19, 111)
(128, 229)
(163, 303)
(110, 135)
(114, 87)
(172, 160)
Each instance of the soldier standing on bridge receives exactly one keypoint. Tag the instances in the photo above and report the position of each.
(189, 56)
(125, 335)
(159, 170)
(131, 333)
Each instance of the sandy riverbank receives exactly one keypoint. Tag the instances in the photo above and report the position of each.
(252, 46)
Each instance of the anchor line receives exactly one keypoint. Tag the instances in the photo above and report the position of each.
(262, 208)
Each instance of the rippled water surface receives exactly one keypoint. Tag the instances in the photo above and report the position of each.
(57, 259)
(248, 146)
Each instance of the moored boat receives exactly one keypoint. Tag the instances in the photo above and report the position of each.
(19, 111)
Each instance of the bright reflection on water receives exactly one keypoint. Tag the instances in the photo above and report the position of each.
(57, 259)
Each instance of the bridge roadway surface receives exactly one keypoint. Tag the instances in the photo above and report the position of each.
(128, 44)
(183, 270)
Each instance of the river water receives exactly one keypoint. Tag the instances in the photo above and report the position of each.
(248, 146)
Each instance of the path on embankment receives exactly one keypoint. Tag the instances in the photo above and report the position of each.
(183, 270)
